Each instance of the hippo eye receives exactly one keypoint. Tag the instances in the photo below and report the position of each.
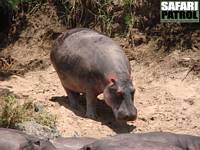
(37, 143)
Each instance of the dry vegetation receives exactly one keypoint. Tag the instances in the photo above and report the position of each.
(12, 112)
(110, 17)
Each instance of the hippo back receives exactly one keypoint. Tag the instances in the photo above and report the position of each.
(86, 51)
(186, 142)
(72, 143)
(11, 139)
(110, 144)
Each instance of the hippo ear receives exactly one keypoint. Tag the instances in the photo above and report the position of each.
(112, 83)
(113, 80)
(37, 143)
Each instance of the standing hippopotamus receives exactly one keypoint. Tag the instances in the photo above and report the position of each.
(11, 139)
(91, 63)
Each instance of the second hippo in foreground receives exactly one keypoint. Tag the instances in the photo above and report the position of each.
(91, 63)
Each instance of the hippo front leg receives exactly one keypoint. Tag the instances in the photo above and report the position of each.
(73, 97)
(91, 100)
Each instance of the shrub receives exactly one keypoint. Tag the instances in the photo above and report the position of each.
(11, 112)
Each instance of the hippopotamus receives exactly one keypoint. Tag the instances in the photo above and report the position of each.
(186, 142)
(176, 141)
(11, 139)
(91, 63)
(72, 143)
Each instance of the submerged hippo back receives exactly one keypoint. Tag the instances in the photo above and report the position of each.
(72, 143)
(11, 139)
(129, 145)
(186, 142)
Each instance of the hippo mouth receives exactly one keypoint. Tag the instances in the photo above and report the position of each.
(125, 115)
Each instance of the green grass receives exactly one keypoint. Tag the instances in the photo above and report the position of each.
(11, 112)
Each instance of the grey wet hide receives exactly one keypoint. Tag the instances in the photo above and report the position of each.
(128, 144)
(186, 142)
(91, 63)
(176, 141)
(11, 139)
(72, 143)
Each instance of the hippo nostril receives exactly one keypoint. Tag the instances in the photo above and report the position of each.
(126, 116)
(88, 148)
(122, 115)
(132, 118)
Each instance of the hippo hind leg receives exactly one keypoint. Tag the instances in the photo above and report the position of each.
(73, 98)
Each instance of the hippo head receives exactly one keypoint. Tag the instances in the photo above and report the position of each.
(119, 95)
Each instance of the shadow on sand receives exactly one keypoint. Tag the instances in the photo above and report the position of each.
(104, 113)
(4, 76)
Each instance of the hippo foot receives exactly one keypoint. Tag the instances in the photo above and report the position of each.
(73, 98)
(91, 114)
(72, 103)
(91, 105)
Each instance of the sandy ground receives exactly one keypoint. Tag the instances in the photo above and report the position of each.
(163, 100)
